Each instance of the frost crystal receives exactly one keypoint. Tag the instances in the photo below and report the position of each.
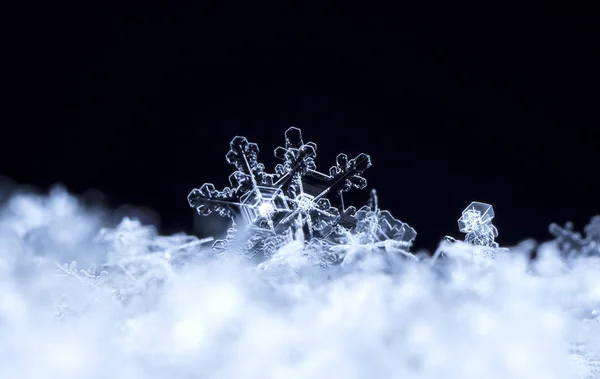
(476, 222)
(87, 277)
(573, 244)
(138, 259)
(374, 225)
(296, 202)
(67, 306)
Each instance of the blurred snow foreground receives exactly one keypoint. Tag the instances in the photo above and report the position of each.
(83, 298)
(168, 307)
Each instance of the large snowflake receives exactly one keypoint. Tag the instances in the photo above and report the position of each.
(296, 201)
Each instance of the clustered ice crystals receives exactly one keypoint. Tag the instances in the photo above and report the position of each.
(138, 262)
(297, 202)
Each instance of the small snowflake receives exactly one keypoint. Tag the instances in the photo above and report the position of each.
(572, 244)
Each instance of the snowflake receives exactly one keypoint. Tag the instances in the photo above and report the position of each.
(296, 202)
(572, 244)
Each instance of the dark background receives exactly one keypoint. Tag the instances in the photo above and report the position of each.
(454, 104)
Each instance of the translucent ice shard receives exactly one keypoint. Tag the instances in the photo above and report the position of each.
(296, 202)
(572, 244)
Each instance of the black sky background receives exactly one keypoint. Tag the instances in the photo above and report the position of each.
(491, 103)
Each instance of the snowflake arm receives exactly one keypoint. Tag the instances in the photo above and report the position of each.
(207, 199)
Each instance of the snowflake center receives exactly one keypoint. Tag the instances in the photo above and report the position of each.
(304, 203)
(266, 210)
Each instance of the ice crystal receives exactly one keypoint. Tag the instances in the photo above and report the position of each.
(87, 277)
(476, 222)
(131, 241)
(480, 234)
(376, 226)
(65, 305)
(572, 244)
(138, 259)
(296, 202)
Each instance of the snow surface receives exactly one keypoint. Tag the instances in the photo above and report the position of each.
(167, 307)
